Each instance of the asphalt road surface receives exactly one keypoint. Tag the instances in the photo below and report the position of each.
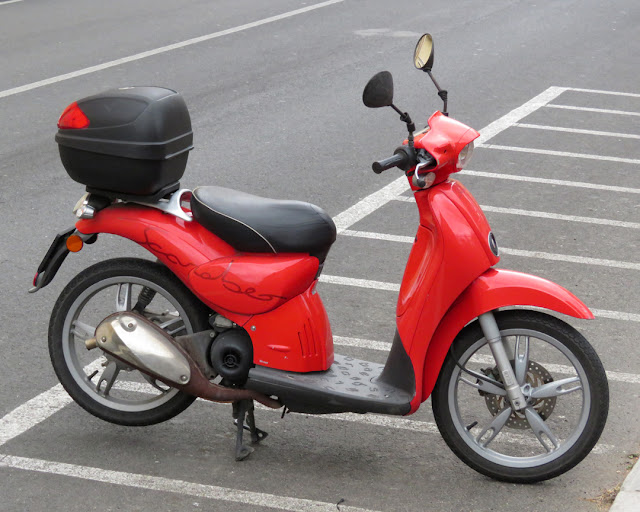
(274, 90)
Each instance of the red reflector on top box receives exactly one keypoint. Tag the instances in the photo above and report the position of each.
(73, 118)
(132, 141)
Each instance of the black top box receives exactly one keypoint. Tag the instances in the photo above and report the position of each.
(132, 141)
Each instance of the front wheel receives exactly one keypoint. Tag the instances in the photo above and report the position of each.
(563, 380)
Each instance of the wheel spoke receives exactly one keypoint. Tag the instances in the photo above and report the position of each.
(541, 430)
(485, 386)
(521, 359)
(108, 377)
(555, 388)
(494, 429)
(82, 330)
(123, 297)
(169, 323)
(177, 323)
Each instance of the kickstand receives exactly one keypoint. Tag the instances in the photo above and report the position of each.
(242, 409)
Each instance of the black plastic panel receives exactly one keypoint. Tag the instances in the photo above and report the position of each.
(137, 141)
(350, 385)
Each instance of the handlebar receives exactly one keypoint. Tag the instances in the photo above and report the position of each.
(403, 157)
(393, 161)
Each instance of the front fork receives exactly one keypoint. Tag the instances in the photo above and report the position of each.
(492, 334)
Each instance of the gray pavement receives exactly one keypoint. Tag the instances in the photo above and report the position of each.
(276, 110)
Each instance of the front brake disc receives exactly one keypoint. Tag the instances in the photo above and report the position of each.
(537, 375)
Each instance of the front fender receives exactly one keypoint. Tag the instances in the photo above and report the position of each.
(495, 289)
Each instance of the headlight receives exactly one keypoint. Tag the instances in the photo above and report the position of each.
(465, 156)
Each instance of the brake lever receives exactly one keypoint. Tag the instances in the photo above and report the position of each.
(422, 163)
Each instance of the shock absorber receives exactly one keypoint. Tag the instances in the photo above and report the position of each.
(144, 299)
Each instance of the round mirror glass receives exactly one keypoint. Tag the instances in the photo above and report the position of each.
(423, 54)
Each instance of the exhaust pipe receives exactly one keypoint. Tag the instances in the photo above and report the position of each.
(141, 344)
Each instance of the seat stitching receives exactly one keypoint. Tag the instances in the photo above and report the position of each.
(232, 218)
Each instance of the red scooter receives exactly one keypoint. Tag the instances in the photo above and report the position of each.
(229, 311)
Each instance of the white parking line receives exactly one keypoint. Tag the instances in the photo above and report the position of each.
(163, 49)
(381, 285)
(156, 483)
(583, 260)
(550, 181)
(545, 215)
(564, 154)
(610, 93)
(32, 412)
(499, 125)
(592, 109)
(577, 130)
(370, 204)
(571, 259)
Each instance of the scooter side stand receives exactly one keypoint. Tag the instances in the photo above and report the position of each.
(244, 409)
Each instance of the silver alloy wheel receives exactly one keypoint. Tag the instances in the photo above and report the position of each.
(548, 439)
(105, 380)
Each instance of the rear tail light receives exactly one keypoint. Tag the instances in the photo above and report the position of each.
(73, 118)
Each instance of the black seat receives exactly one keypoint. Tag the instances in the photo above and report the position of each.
(255, 224)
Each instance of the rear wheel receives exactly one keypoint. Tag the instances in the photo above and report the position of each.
(101, 384)
(565, 385)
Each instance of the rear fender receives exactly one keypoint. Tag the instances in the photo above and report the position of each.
(180, 244)
(495, 289)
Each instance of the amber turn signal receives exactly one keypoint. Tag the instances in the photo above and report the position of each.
(74, 243)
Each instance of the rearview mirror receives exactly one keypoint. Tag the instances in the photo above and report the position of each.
(423, 54)
(379, 91)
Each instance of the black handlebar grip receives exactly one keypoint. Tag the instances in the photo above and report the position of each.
(388, 163)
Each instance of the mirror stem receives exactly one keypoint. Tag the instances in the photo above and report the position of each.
(441, 92)
(406, 118)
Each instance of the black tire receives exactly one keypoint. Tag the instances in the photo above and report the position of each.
(66, 348)
(592, 395)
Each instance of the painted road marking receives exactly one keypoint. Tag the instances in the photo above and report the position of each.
(380, 285)
(549, 181)
(163, 49)
(32, 412)
(564, 154)
(370, 204)
(592, 109)
(499, 125)
(577, 130)
(610, 93)
(583, 260)
(156, 483)
(7, 2)
(545, 215)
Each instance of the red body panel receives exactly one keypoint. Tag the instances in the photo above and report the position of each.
(444, 141)
(295, 337)
(496, 288)
(253, 283)
(451, 250)
(269, 291)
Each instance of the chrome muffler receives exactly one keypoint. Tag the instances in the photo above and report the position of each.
(144, 346)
